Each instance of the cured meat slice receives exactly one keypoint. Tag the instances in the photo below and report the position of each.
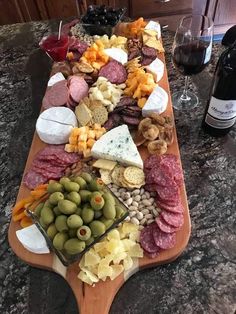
(164, 226)
(174, 209)
(146, 61)
(56, 95)
(154, 254)
(160, 177)
(174, 219)
(168, 193)
(32, 179)
(146, 238)
(48, 174)
(131, 120)
(78, 88)
(149, 52)
(164, 240)
(114, 71)
(58, 152)
(126, 101)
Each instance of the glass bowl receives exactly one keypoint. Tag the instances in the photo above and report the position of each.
(64, 257)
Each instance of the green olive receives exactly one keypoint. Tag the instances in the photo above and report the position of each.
(87, 215)
(97, 214)
(48, 204)
(56, 211)
(38, 209)
(82, 183)
(74, 221)
(67, 207)
(54, 187)
(97, 202)
(71, 186)
(107, 222)
(97, 228)
(85, 195)
(51, 231)
(89, 241)
(109, 197)
(72, 232)
(86, 176)
(84, 233)
(109, 210)
(55, 197)
(74, 197)
(96, 184)
(119, 211)
(59, 240)
(74, 246)
(78, 211)
(63, 180)
(42, 223)
(61, 223)
(47, 215)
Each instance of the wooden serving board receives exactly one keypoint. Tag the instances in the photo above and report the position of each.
(98, 299)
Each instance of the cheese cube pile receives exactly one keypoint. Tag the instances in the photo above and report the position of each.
(113, 255)
(81, 139)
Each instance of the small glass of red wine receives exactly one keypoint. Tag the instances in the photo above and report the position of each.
(191, 53)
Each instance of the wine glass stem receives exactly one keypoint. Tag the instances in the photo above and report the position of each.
(185, 96)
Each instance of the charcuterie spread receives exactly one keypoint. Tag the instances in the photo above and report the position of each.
(102, 105)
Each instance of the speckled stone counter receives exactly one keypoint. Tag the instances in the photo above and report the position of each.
(203, 279)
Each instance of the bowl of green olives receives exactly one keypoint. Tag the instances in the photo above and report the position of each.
(77, 213)
(101, 20)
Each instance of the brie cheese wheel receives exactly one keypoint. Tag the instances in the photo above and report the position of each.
(33, 240)
(55, 78)
(54, 125)
(156, 102)
(117, 54)
(118, 145)
(155, 26)
(156, 68)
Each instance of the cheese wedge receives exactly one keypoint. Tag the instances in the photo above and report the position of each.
(117, 54)
(55, 78)
(155, 26)
(54, 125)
(156, 68)
(118, 145)
(156, 102)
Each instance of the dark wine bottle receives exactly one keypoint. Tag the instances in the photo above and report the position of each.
(220, 113)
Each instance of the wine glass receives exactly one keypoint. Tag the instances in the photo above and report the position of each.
(191, 53)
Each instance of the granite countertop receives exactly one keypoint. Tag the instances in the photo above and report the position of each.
(203, 278)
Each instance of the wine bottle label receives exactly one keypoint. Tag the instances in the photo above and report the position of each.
(221, 113)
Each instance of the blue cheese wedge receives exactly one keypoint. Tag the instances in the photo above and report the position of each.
(155, 26)
(118, 145)
(54, 125)
(156, 68)
(156, 102)
(55, 78)
(117, 54)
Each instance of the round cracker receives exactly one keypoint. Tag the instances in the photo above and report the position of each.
(115, 175)
(134, 175)
(105, 176)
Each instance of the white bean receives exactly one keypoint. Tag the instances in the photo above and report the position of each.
(127, 195)
(129, 201)
(155, 212)
(133, 208)
(142, 191)
(150, 221)
(134, 221)
(143, 197)
(147, 194)
(143, 221)
(122, 190)
(139, 215)
(151, 200)
(145, 211)
(135, 204)
(137, 198)
(151, 207)
(149, 216)
(141, 227)
(132, 213)
(146, 203)
(136, 192)
(127, 218)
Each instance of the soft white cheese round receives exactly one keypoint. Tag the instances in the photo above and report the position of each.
(156, 102)
(54, 125)
(156, 68)
(117, 54)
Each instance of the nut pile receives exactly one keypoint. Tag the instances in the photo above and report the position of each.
(141, 204)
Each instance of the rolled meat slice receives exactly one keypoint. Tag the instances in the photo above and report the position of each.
(78, 88)
(114, 71)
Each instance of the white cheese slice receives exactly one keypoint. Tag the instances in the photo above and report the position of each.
(118, 145)
(156, 68)
(117, 54)
(55, 78)
(155, 26)
(156, 102)
(54, 125)
(33, 240)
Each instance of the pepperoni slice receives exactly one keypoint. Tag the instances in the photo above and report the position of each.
(174, 209)
(146, 238)
(164, 240)
(164, 226)
(174, 219)
(168, 193)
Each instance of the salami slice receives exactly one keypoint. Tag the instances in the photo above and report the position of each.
(174, 219)
(32, 179)
(150, 162)
(48, 174)
(154, 254)
(164, 240)
(114, 71)
(174, 209)
(78, 88)
(147, 240)
(149, 52)
(168, 193)
(147, 60)
(150, 187)
(164, 226)
(56, 95)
